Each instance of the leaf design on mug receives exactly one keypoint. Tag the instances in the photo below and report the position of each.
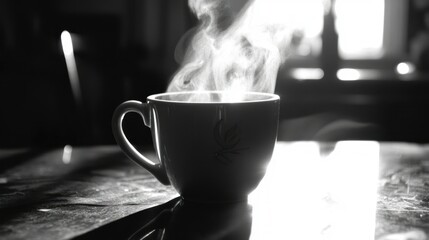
(232, 137)
(228, 140)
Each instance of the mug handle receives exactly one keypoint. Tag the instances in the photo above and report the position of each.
(143, 109)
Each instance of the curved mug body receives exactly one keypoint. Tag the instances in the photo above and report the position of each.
(210, 151)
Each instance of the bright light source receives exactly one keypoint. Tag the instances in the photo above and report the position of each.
(360, 26)
(405, 68)
(307, 73)
(348, 74)
(291, 14)
(66, 42)
(67, 153)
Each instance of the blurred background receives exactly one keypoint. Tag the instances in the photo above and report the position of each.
(361, 71)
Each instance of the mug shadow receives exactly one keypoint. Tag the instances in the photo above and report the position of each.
(180, 219)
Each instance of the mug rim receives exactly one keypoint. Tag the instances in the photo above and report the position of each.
(156, 97)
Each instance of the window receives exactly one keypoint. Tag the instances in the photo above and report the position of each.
(371, 39)
(360, 28)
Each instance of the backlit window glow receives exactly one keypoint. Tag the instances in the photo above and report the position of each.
(360, 27)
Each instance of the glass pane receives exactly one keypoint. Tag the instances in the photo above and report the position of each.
(360, 27)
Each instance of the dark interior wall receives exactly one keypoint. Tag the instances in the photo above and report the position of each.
(378, 109)
(123, 50)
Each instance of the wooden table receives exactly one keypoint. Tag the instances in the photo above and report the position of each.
(344, 190)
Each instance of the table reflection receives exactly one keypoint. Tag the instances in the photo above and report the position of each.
(314, 191)
(345, 190)
(195, 221)
(310, 191)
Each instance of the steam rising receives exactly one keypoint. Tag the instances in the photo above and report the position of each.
(238, 49)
